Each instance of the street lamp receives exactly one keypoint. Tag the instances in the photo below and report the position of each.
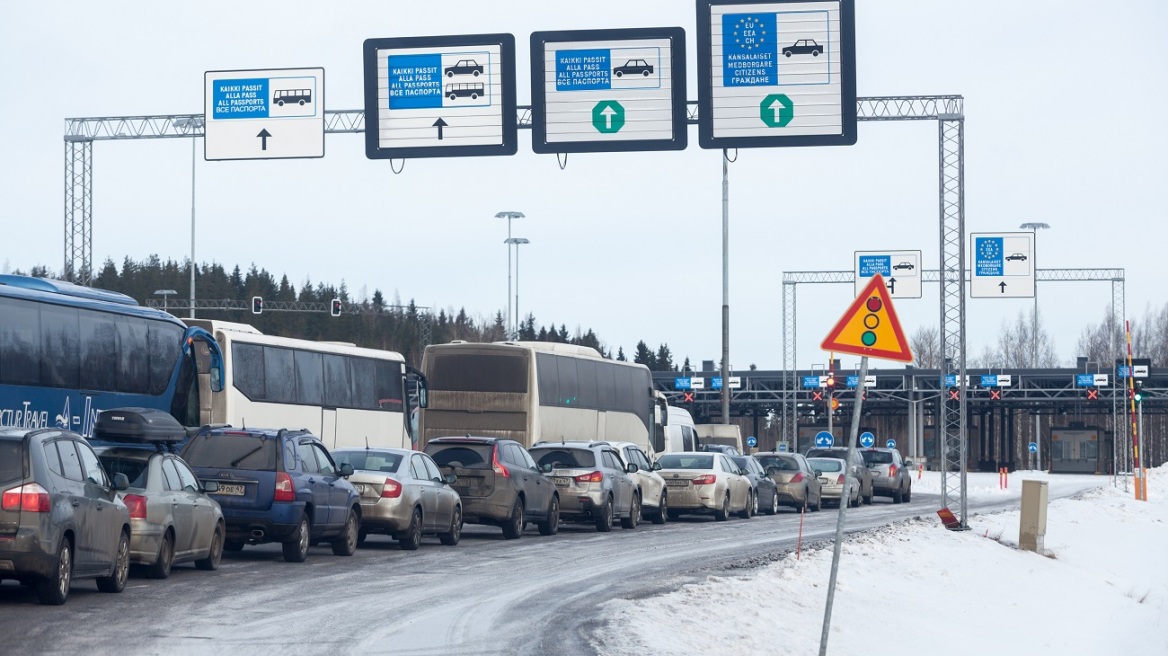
(509, 216)
(188, 125)
(517, 241)
(164, 293)
(1034, 227)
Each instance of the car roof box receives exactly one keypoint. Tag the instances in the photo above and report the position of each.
(137, 425)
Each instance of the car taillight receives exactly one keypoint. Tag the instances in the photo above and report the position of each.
(797, 478)
(500, 470)
(391, 489)
(705, 479)
(891, 471)
(136, 504)
(29, 498)
(284, 490)
(594, 477)
(840, 480)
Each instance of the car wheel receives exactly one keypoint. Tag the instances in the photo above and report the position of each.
(454, 534)
(211, 562)
(476, 73)
(898, 496)
(801, 507)
(514, 526)
(54, 591)
(854, 503)
(645, 73)
(620, 73)
(868, 499)
(413, 535)
(908, 493)
(751, 506)
(296, 549)
(814, 53)
(662, 513)
(604, 517)
(116, 582)
(161, 567)
(786, 53)
(723, 513)
(774, 509)
(634, 517)
(449, 73)
(551, 524)
(818, 502)
(345, 544)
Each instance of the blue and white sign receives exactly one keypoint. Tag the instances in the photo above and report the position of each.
(681, 384)
(1002, 265)
(1032, 447)
(951, 380)
(996, 380)
(716, 382)
(867, 440)
(440, 96)
(824, 439)
(263, 114)
(608, 90)
(853, 381)
(783, 447)
(811, 382)
(776, 73)
(752, 441)
(901, 271)
(890, 444)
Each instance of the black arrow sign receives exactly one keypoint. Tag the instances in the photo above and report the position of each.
(892, 285)
(1002, 285)
(263, 136)
(440, 124)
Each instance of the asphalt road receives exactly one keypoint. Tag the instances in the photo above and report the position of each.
(535, 595)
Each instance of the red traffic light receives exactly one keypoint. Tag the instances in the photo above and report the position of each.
(257, 304)
(335, 308)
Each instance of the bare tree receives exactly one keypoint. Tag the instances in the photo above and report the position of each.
(926, 347)
(1014, 347)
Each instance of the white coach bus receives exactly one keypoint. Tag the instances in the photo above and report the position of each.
(538, 391)
(346, 395)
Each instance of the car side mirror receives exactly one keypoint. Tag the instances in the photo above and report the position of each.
(546, 467)
(632, 468)
(346, 469)
(120, 482)
(210, 486)
(656, 466)
(819, 472)
(908, 463)
(450, 478)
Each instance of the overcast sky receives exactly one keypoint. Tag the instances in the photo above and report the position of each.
(1062, 105)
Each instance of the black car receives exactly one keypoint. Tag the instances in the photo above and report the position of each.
(499, 483)
(803, 47)
(766, 492)
(60, 515)
(634, 67)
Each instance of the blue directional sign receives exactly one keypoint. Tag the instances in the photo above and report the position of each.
(871, 265)
(1123, 371)
(891, 443)
(263, 114)
(1033, 447)
(824, 439)
(782, 447)
(853, 381)
(716, 382)
(950, 380)
(1084, 380)
(1002, 265)
(752, 441)
(988, 380)
(867, 440)
(810, 382)
(681, 383)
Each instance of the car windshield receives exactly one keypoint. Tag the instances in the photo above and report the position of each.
(467, 456)
(679, 461)
(560, 458)
(826, 464)
(231, 451)
(877, 457)
(780, 463)
(382, 461)
(135, 469)
(842, 454)
(11, 460)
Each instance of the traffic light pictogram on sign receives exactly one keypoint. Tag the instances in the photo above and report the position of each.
(870, 327)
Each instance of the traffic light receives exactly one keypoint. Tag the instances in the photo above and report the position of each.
(336, 307)
(257, 304)
(1139, 391)
(830, 384)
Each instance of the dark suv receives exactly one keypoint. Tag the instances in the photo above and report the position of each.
(277, 486)
(499, 483)
(60, 516)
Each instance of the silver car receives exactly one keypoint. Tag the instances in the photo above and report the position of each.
(654, 496)
(404, 495)
(795, 481)
(890, 475)
(172, 520)
(859, 469)
(831, 473)
(594, 484)
(705, 482)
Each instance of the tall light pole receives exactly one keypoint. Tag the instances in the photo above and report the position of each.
(1035, 226)
(517, 241)
(509, 215)
(164, 293)
(190, 125)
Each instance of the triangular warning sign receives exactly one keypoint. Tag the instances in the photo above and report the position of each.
(870, 327)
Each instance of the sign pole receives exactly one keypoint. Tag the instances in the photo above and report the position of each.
(1137, 471)
(725, 288)
(849, 480)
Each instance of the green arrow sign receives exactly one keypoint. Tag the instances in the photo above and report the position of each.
(780, 118)
(608, 116)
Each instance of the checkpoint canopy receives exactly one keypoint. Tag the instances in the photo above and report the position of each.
(901, 271)
(779, 73)
(440, 96)
(608, 90)
(1002, 264)
(263, 114)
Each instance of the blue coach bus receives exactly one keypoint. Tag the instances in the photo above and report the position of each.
(68, 352)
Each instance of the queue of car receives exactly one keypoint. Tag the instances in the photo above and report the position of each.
(72, 509)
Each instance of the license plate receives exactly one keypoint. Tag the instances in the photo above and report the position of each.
(230, 490)
(677, 483)
(561, 481)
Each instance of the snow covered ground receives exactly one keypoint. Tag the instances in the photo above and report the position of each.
(1101, 587)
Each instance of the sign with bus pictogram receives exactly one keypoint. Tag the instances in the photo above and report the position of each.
(870, 327)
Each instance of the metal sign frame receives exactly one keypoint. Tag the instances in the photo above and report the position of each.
(678, 91)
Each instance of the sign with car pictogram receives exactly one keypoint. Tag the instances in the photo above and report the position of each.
(901, 271)
(608, 90)
(441, 96)
(779, 73)
(1001, 265)
(263, 114)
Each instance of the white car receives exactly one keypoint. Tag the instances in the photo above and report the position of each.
(706, 482)
(654, 495)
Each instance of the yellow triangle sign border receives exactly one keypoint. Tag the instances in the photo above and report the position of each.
(902, 352)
